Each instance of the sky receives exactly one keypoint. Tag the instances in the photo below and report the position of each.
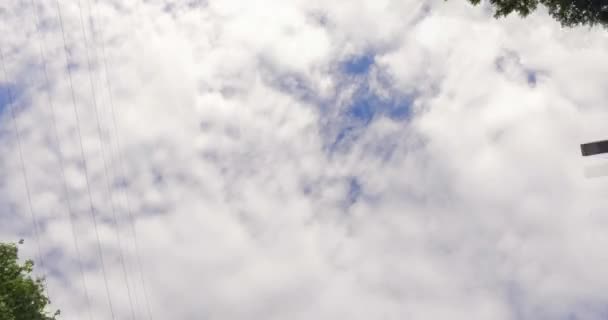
(277, 159)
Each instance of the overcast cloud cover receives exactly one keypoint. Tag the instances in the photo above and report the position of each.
(309, 159)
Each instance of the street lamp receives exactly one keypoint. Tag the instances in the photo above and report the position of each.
(593, 148)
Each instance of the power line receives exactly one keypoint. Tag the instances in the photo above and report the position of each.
(103, 156)
(23, 171)
(95, 40)
(60, 156)
(121, 160)
(86, 174)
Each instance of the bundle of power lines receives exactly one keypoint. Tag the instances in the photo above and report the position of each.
(68, 199)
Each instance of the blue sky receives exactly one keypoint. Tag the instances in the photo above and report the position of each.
(4, 100)
(359, 64)
(365, 104)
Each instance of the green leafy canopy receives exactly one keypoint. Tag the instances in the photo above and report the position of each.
(22, 297)
(569, 13)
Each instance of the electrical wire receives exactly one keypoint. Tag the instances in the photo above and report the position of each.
(103, 156)
(121, 160)
(86, 174)
(68, 201)
(24, 172)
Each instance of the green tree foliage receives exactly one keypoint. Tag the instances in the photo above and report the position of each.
(569, 13)
(21, 296)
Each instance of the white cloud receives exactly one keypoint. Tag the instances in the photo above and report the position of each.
(474, 207)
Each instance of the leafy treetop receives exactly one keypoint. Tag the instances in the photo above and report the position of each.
(569, 13)
(21, 296)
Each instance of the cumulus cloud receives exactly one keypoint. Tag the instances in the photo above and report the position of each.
(303, 159)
